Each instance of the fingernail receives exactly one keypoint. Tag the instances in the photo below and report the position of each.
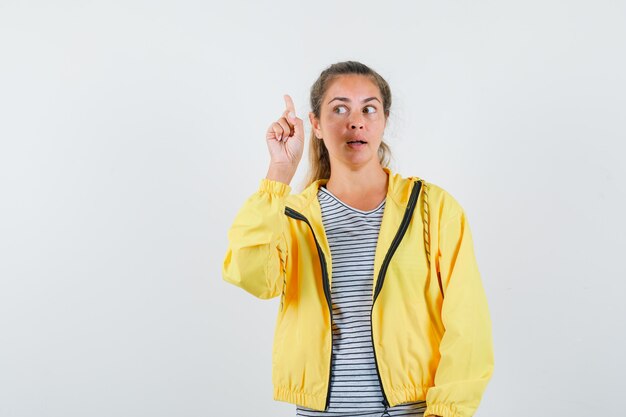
(291, 115)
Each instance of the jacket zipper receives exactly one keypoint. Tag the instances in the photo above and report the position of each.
(294, 214)
(383, 270)
(381, 276)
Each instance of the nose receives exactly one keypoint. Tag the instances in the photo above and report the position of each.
(356, 122)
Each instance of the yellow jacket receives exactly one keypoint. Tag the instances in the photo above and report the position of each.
(431, 327)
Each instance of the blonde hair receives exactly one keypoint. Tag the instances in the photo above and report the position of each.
(319, 160)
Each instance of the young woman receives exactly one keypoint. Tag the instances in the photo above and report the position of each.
(382, 310)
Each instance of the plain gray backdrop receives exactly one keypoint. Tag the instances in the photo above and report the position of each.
(132, 131)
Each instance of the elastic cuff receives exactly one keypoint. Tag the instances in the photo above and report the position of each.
(443, 410)
(274, 187)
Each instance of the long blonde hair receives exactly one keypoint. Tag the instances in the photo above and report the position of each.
(319, 160)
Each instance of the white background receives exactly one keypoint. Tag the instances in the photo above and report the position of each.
(132, 131)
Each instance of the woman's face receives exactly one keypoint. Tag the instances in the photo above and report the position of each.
(351, 111)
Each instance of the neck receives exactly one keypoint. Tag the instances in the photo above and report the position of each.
(348, 181)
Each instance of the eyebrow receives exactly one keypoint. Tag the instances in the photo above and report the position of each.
(347, 99)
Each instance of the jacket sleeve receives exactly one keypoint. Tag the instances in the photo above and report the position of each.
(257, 247)
(466, 348)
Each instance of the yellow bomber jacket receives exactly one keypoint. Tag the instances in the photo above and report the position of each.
(431, 327)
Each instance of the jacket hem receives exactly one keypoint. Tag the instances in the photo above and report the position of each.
(397, 396)
(315, 402)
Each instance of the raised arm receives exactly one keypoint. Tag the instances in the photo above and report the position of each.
(257, 240)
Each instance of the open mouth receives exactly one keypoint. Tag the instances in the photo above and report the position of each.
(357, 141)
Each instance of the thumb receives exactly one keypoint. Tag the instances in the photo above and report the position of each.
(298, 126)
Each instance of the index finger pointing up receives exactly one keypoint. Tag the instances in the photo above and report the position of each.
(289, 105)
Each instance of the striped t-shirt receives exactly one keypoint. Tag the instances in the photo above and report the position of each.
(354, 386)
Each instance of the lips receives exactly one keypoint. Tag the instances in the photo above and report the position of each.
(357, 140)
(356, 143)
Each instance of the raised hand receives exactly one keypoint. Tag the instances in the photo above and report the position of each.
(285, 137)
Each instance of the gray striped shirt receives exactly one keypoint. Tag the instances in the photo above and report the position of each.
(354, 386)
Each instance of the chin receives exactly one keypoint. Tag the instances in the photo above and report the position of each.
(358, 160)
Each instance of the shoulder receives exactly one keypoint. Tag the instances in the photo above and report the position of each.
(441, 203)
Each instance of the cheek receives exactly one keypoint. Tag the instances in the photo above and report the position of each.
(332, 123)
(378, 119)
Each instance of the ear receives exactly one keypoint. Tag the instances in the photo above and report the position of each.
(315, 124)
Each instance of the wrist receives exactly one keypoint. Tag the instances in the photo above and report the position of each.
(281, 172)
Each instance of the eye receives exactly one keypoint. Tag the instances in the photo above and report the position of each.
(371, 107)
(337, 109)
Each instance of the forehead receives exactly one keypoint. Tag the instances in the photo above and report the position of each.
(355, 87)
